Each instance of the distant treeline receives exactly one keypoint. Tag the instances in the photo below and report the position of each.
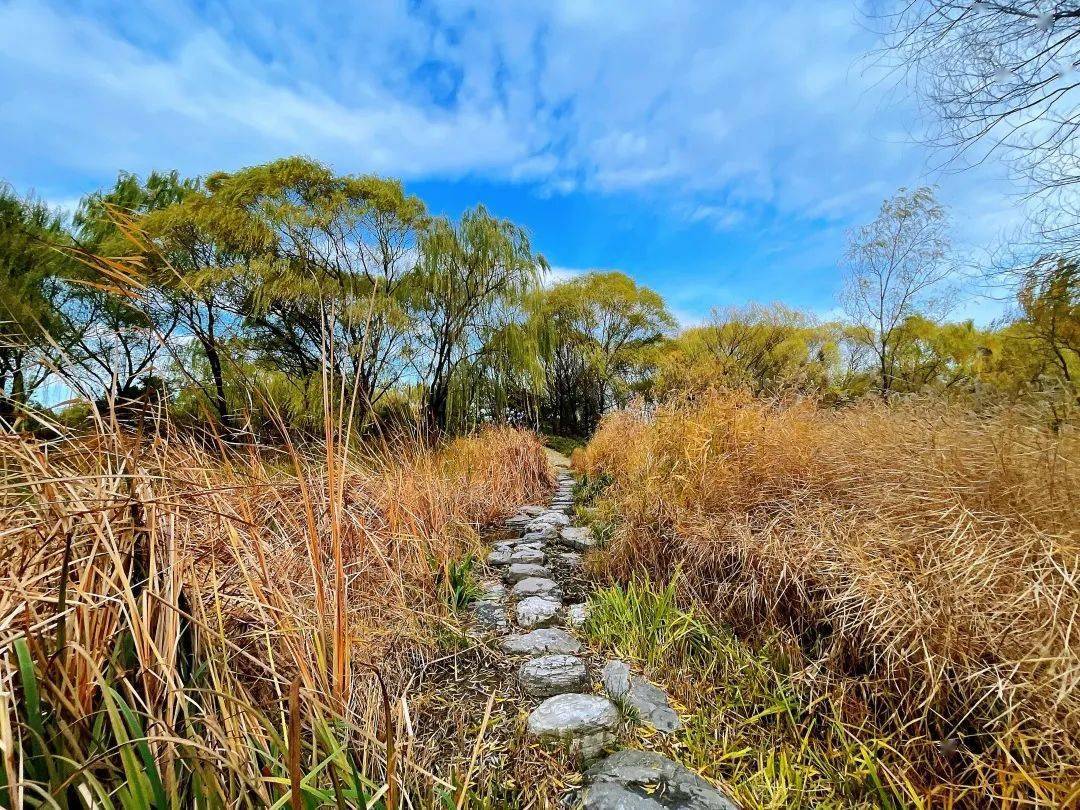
(239, 299)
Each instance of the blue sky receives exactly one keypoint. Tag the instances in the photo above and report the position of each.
(717, 152)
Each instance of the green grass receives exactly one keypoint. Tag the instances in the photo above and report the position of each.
(747, 724)
(564, 444)
(458, 583)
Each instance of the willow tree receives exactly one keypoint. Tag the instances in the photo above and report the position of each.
(122, 337)
(34, 330)
(473, 280)
(323, 265)
(763, 349)
(601, 332)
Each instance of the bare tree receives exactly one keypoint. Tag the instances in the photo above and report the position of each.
(1002, 78)
(894, 266)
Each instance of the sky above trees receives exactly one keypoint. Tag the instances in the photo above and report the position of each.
(716, 152)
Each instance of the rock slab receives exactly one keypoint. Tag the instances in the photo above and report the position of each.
(537, 586)
(522, 571)
(538, 642)
(585, 723)
(534, 611)
(527, 555)
(643, 780)
(579, 538)
(648, 701)
(553, 675)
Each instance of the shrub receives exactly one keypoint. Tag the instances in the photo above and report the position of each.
(921, 559)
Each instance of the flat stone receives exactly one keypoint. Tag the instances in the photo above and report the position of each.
(553, 675)
(585, 723)
(575, 615)
(492, 591)
(530, 545)
(537, 586)
(648, 701)
(518, 520)
(644, 780)
(540, 532)
(535, 611)
(577, 537)
(532, 509)
(538, 642)
(521, 571)
(527, 555)
(550, 518)
(490, 616)
(499, 557)
(571, 558)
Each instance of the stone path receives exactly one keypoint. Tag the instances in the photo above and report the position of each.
(555, 675)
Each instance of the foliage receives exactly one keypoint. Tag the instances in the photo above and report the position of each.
(914, 561)
(172, 629)
(600, 334)
(34, 330)
(767, 350)
(472, 281)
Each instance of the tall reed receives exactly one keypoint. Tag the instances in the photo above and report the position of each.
(195, 624)
(922, 559)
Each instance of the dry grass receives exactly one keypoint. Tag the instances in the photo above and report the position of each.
(921, 560)
(165, 598)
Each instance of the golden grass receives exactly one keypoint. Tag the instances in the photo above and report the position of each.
(203, 588)
(921, 560)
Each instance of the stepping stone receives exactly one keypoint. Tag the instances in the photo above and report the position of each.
(538, 642)
(575, 615)
(535, 611)
(550, 518)
(490, 616)
(523, 545)
(585, 723)
(492, 591)
(540, 532)
(527, 555)
(648, 701)
(532, 510)
(518, 520)
(537, 586)
(577, 537)
(499, 557)
(644, 780)
(521, 571)
(553, 675)
(571, 558)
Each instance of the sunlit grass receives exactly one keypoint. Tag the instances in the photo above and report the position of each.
(170, 634)
(914, 568)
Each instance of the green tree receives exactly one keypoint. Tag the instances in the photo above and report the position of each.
(764, 349)
(34, 330)
(325, 266)
(473, 279)
(121, 337)
(602, 331)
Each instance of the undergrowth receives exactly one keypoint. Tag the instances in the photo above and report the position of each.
(745, 723)
(914, 567)
(192, 624)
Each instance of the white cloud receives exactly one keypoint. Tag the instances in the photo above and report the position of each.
(718, 111)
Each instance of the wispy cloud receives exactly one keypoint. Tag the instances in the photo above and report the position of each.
(745, 117)
(720, 108)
